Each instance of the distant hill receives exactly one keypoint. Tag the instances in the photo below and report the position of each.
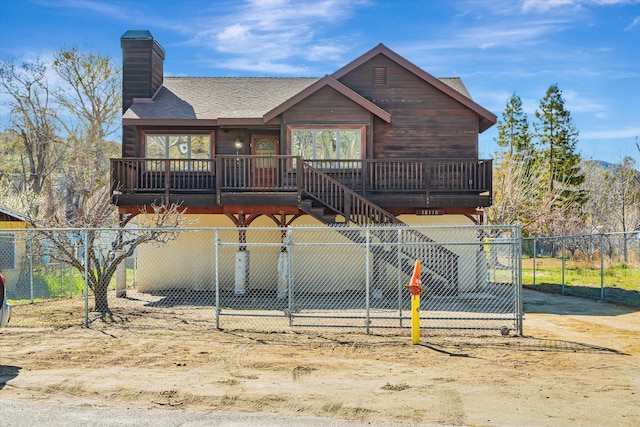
(603, 164)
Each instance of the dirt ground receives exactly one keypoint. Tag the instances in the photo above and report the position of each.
(578, 363)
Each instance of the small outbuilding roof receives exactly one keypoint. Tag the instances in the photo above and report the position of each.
(7, 214)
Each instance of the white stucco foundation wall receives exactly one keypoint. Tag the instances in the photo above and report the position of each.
(189, 262)
(456, 229)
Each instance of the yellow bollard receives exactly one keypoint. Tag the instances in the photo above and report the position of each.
(415, 286)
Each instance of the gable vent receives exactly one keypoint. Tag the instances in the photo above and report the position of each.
(379, 76)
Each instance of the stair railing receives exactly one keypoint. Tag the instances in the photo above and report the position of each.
(361, 211)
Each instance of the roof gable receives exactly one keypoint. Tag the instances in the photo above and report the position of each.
(328, 81)
(453, 90)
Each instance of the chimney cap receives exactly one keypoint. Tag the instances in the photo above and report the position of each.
(137, 34)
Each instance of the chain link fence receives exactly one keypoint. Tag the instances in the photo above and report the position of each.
(276, 279)
(603, 266)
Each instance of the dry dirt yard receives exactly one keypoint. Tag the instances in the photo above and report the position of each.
(578, 363)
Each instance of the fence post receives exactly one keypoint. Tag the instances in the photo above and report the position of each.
(563, 261)
(534, 260)
(31, 267)
(601, 266)
(216, 251)
(399, 275)
(520, 314)
(291, 282)
(86, 278)
(367, 279)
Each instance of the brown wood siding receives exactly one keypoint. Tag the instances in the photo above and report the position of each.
(157, 68)
(136, 75)
(142, 70)
(225, 140)
(130, 141)
(328, 107)
(424, 121)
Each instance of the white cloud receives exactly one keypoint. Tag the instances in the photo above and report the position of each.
(635, 23)
(277, 29)
(578, 103)
(630, 132)
(329, 51)
(261, 67)
(102, 8)
(545, 5)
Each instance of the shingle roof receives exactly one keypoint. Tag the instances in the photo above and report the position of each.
(217, 97)
(211, 98)
(455, 83)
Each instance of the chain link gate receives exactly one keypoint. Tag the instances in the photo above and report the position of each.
(355, 277)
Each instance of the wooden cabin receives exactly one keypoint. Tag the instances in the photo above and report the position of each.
(377, 139)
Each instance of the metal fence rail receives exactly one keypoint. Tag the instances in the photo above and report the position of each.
(262, 278)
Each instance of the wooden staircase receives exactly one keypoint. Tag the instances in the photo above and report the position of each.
(334, 204)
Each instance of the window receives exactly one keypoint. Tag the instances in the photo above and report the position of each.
(188, 148)
(327, 143)
(7, 251)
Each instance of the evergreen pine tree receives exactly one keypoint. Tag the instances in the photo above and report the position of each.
(513, 129)
(558, 136)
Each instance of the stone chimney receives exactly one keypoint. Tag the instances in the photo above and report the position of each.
(142, 66)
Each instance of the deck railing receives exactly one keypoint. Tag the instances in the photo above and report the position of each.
(280, 173)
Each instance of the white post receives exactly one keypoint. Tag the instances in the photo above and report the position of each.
(242, 272)
(283, 275)
(121, 277)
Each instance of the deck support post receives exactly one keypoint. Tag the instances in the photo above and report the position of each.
(241, 272)
(121, 277)
(284, 263)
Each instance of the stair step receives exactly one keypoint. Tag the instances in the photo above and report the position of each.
(317, 211)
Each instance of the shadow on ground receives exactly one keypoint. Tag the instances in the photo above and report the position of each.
(610, 294)
(7, 373)
(543, 301)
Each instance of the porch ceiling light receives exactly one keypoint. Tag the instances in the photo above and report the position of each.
(238, 143)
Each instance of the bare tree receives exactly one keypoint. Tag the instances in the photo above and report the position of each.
(33, 120)
(89, 100)
(108, 248)
(88, 106)
(614, 203)
(107, 244)
(515, 197)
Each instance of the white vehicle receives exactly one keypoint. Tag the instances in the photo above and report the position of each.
(5, 308)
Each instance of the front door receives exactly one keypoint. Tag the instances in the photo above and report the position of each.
(265, 170)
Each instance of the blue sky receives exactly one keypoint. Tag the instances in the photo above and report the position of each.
(589, 48)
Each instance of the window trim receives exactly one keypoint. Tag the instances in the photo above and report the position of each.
(181, 132)
(173, 132)
(313, 127)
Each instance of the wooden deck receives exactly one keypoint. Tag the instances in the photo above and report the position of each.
(281, 180)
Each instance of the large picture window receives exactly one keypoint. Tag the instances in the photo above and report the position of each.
(188, 148)
(327, 143)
